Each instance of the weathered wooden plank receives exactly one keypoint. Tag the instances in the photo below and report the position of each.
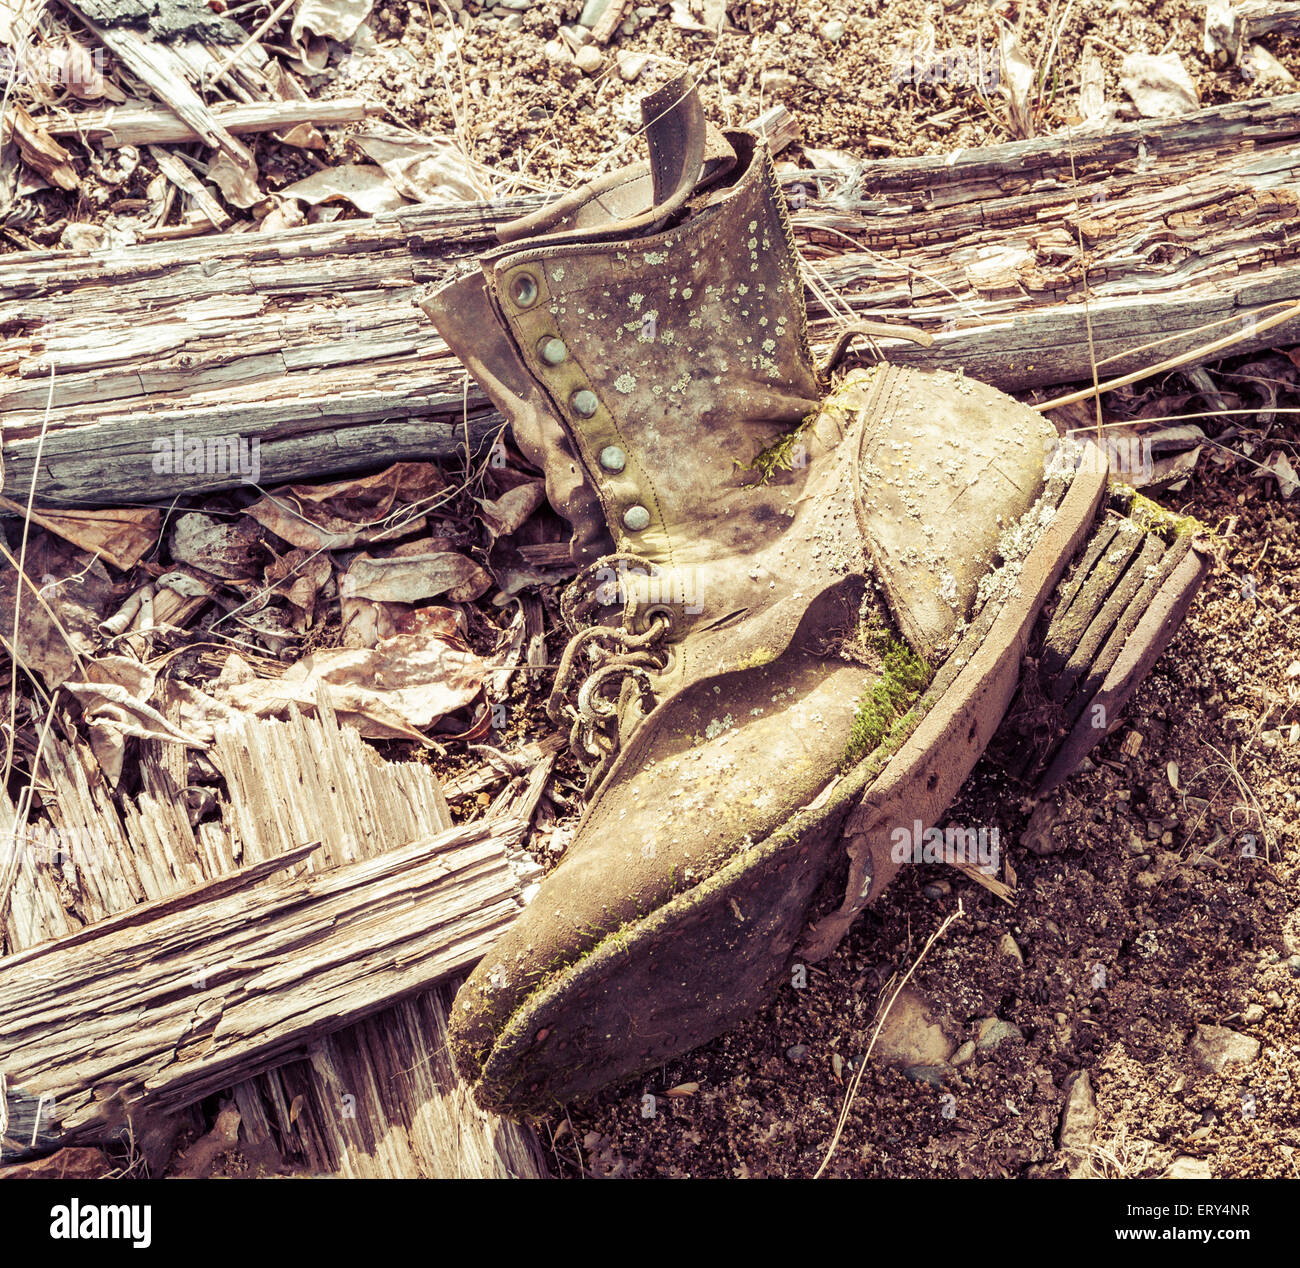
(138, 124)
(169, 1002)
(311, 341)
(378, 1098)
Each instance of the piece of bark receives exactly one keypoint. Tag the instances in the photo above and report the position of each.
(38, 148)
(1189, 227)
(608, 21)
(178, 172)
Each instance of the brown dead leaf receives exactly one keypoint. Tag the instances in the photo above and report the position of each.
(119, 535)
(69, 594)
(349, 512)
(114, 700)
(507, 513)
(395, 690)
(408, 579)
(64, 1164)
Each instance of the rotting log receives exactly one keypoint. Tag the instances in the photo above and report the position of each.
(168, 1002)
(310, 340)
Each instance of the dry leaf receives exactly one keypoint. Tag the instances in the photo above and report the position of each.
(1016, 83)
(349, 512)
(121, 536)
(424, 676)
(1278, 465)
(426, 170)
(366, 187)
(227, 549)
(1159, 86)
(507, 513)
(337, 19)
(408, 579)
(237, 181)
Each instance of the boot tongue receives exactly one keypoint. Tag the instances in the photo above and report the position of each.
(625, 203)
(674, 128)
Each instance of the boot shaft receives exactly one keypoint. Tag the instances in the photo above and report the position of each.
(644, 374)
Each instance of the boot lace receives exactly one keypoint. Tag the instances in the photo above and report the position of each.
(603, 664)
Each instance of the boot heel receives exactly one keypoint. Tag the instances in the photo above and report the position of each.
(1114, 613)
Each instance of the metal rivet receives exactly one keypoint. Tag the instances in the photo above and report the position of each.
(552, 350)
(636, 518)
(612, 458)
(585, 402)
(524, 290)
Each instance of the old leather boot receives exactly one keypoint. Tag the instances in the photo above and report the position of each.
(802, 615)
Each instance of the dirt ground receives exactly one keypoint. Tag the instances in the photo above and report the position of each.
(1157, 892)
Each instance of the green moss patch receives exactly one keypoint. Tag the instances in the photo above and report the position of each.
(904, 676)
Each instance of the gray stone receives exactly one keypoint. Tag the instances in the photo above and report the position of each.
(631, 64)
(1007, 947)
(994, 1031)
(798, 1052)
(909, 1037)
(1078, 1114)
(592, 12)
(1215, 1047)
(934, 1075)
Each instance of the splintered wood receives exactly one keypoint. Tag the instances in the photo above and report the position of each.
(333, 888)
(310, 342)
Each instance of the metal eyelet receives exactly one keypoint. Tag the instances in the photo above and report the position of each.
(612, 458)
(523, 290)
(585, 402)
(636, 518)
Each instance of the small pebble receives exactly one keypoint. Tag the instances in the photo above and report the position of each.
(798, 1052)
(964, 1054)
(1007, 947)
(630, 65)
(589, 59)
(833, 31)
(994, 1031)
(556, 53)
(937, 889)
